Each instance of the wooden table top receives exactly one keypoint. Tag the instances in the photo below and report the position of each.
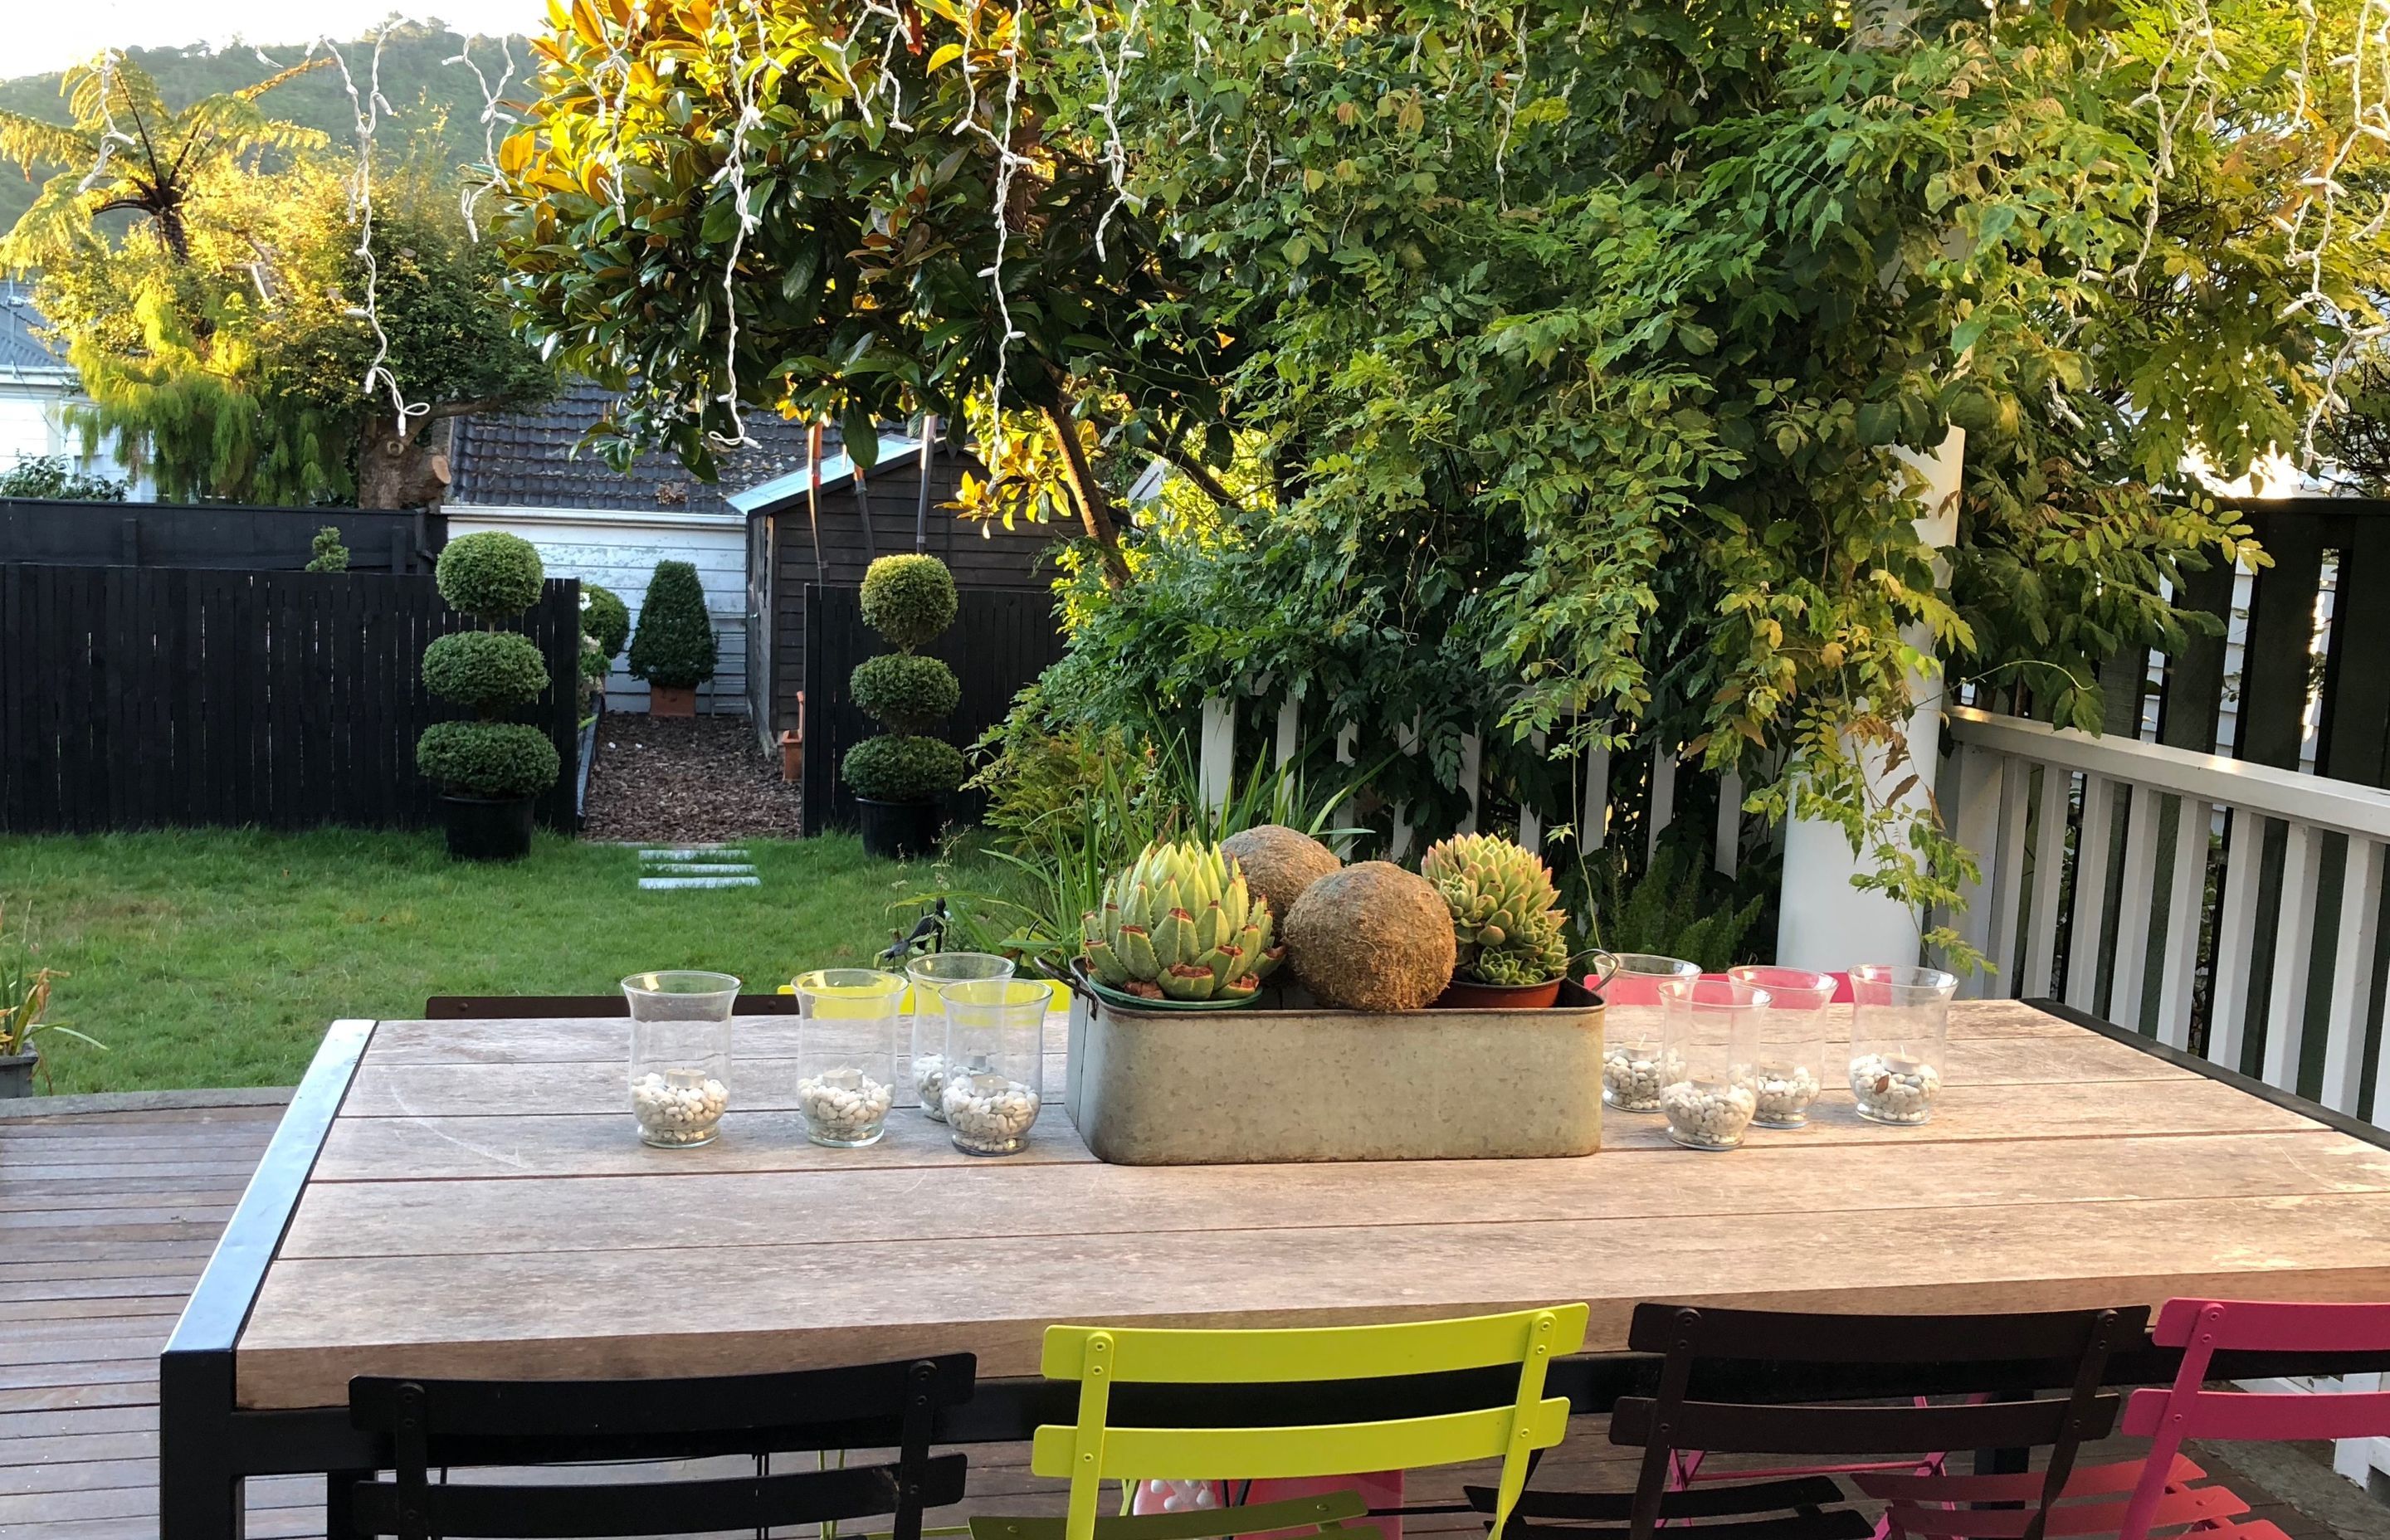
(480, 1206)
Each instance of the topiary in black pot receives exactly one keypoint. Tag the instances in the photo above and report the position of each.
(489, 770)
(674, 650)
(902, 778)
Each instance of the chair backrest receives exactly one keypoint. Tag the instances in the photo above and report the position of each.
(2188, 1409)
(2013, 1354)
(1101, 1357)
(433, 1424)
(487, 1007)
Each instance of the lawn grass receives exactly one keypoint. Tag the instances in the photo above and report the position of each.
(215, 957)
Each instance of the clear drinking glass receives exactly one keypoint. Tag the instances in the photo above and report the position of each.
(680, 1054)
(931, 975)
(1900, 1022)
(1631, 1026)
(1792, 1052)
(1707, 1057)
(995, 1063)
(846, 1053)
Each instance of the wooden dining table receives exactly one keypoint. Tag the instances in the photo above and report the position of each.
(469, 1199)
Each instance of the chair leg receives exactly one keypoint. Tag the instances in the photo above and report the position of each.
(340, 1502)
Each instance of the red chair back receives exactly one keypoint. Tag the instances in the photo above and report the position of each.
(2188, 1409)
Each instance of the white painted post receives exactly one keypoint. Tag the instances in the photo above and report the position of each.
(1472, 757)
(1660, 808)
(1977, 799)
(1593, 822)
(1216, 764)
(1728, 854)
(1531, 821)
(1826, 923)
(1290, 715)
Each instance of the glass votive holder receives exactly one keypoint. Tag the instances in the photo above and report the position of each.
(1791, 1066)
(995, 1063)
(680, 1054)
(1900, 1023)
(1706, 1058)
(931, 974)
(1631, 1025)
(846, 1053)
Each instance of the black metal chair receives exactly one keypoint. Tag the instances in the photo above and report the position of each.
(2010, 1355)
(434, 1425)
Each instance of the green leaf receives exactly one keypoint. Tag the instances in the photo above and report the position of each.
(861, 434)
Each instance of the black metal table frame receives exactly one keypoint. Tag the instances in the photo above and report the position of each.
(208, 1445)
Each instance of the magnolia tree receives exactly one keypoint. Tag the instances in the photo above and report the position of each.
(1564, 345)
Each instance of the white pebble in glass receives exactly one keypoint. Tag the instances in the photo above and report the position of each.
(1707, 1082)
(846, 1054)
(930, 974)
(1900, 1023)
(680, 1054)
(994, 1062)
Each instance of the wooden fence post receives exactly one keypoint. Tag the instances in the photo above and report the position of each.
(1215, 765)
(1531, 820)
(1289, 714)
(1473, 758)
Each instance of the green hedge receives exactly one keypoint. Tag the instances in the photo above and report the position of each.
(906, 693)
(485, 670)
(491, 576)
(908, 599)
(900, 769)
(487, 759)
(605, 617)
(675, 645)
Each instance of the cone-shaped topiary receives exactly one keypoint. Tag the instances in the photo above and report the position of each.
(493, 577)
(908, 599)
(674, 649)
(1181, 924)
(1280, 862)
(1371, 937)
(1505, 913)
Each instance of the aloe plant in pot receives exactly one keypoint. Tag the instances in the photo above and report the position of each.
(902, 777)
(24, 1000)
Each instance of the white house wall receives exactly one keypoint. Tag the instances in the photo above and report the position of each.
(619, 550)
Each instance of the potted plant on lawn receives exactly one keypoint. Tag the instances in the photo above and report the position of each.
(489, 770)
(902, 777)
(24, 996)
(674, 651)
(1506, 924)
(605, 626)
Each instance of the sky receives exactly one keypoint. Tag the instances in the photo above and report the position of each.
(43, 35)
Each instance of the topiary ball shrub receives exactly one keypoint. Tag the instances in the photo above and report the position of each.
(487, 759)
(908, 599)
(674, 649)
(910, 694)
(491, 576)
(605, 619)
(486, 671)
(902, 769)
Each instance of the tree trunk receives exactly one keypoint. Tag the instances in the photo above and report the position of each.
(400, 470)
(1095, 506)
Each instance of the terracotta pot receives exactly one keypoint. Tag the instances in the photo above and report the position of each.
(792, 756)
(1468, 994)
(664, 701)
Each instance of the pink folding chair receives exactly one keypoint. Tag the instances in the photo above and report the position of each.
(2188, 1409)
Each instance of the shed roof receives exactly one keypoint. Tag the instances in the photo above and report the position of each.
(25, 355)
(535, 458)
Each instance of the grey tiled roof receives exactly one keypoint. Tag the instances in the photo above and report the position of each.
(21, 352)
(534, 460)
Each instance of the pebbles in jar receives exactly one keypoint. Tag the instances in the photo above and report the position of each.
(1894, 1090)
(990, 1114)
(676, 1108)
(1785, 1092)
(930, 1084)
(1707, 1114)
(1630, 1076)
(844, 1107)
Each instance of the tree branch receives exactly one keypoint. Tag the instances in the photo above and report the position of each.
(1201, 474)
(1094, 506)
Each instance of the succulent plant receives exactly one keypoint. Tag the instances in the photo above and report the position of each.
(1180, 924)
(1506, 914)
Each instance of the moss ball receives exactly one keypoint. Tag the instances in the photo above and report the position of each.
(1371, 937)
(1280, 863)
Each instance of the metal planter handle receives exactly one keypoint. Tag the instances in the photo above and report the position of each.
(1605, 968)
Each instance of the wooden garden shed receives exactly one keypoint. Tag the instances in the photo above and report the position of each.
(806, 552)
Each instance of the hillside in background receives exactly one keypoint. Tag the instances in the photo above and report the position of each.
(438, 106)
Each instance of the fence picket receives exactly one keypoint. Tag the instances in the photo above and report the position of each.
(1593, 825)
(2007, 896)
(2286, 1004)
(1727, 855)
(2050, 814)
(2352, 976)
(2087, 931)
(2138, 882)
(2236, 937)
(2186, 897)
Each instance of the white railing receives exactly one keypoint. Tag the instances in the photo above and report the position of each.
(2100, 862)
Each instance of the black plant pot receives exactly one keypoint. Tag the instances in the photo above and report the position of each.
(17, 1074)
(488, 829)
(899, 832)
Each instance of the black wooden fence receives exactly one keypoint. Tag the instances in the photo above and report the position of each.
(1000, 641)
(210, 534)
(158, 697)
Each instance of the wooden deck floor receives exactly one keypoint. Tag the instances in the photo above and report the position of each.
(106, 1219)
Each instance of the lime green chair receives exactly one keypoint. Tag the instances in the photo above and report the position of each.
(1097, 1450)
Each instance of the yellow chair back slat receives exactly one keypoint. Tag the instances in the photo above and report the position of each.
(1094, 1450)
(1327, 1513)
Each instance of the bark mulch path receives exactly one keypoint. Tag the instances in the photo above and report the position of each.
(659, 779)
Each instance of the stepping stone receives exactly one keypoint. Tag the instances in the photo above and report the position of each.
(697, 853)
(667, 884)
(699, 868)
